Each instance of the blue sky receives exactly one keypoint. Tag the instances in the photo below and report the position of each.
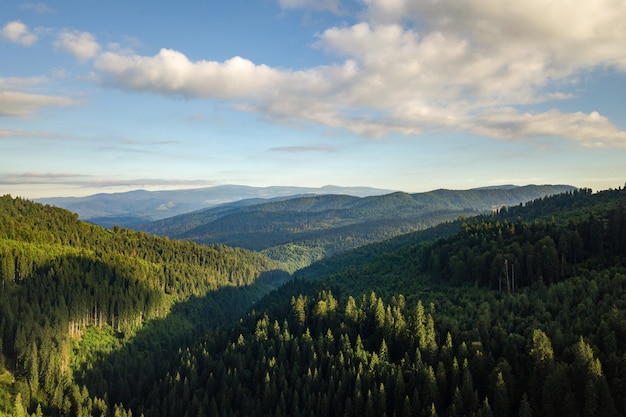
(408, 95)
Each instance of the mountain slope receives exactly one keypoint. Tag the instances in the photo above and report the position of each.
(62, 280)
(433, 344)
(305, 229)
(574, 230)
(389, 332)
(140, 206)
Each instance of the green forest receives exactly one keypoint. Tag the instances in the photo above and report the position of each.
(516, 312)
(72, 293)
(301, 230)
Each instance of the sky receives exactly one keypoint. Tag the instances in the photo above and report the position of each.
(410, 95)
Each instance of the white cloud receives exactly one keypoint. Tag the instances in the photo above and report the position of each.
(171, 72)
(19, 104)
(417, 65)
(585, 32)
(82, 45)
(591, 130)
(18, 32)
(15, 101)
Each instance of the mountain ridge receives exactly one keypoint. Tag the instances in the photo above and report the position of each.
(312, 227)
(141, 206)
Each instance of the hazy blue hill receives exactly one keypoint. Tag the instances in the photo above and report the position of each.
(311, 227)
(140, 206)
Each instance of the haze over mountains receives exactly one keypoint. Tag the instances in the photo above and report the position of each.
(129, 209)
(141, 206)
(294, 225)
(304, 229)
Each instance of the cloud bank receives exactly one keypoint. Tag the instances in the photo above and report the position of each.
(407, 67)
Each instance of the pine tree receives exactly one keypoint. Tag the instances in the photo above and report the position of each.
(33, 371)
(18, 407)
(501, 399)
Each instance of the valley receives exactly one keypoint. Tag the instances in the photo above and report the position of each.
(303, 229)
(480, 303)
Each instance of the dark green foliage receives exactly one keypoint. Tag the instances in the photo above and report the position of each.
(306, 229)
(542, 347)
(297, 358)
(505, 251)
(504, 255)
(62, 279)
(519, 312)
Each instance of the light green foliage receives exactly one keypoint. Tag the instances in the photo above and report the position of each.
(541, 351)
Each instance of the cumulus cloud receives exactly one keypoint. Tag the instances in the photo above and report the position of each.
(416, 66)
(82, 45)
(586, 32)
(171, 72)
(18, 32)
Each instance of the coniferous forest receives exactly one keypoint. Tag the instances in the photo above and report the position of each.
(518, 312)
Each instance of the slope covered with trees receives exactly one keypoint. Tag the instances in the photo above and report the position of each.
(518, 312)
(60, 278)
(301, 230)
(435, 342)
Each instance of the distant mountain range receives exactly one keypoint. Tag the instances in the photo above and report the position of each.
(303, 229)
(136, 207)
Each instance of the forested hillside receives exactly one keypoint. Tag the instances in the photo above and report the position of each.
(440, 335)
(521, 311)
(69, 289)
(301, 230)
